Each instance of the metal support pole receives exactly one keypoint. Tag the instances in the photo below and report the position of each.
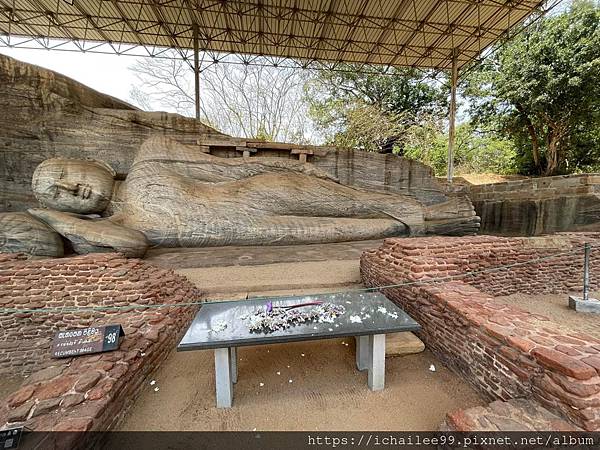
(586, 271)
(452, 126)
(196, 71)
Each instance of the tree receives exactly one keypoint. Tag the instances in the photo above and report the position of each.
(542, 90)
(242, 100)
(371, 110)
(474, 151)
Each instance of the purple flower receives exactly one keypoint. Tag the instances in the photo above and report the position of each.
(269, 307)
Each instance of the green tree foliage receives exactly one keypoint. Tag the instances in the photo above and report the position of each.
(474, 152)
(542, 90)
(371, 110)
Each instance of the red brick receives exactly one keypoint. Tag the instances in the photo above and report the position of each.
(563, 363)
(87, 380)
(520, 343)
(74, 425)
(54, 388)
(21, 396)
(593, 361)
(567, 350)
(460, 421)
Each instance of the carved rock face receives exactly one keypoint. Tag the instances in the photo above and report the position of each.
(93, 236)
(23, 233)
(73, 185)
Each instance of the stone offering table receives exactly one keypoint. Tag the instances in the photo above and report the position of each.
(368, 316)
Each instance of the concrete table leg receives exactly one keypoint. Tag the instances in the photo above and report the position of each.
(233, 364)
(362, 352)
(376, 377)
(223, 381)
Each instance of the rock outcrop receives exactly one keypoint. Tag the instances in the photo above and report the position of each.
(47, 115)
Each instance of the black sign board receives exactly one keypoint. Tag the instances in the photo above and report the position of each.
(9, 438)
(84, 341)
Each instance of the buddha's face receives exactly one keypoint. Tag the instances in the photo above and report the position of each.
(73, 185)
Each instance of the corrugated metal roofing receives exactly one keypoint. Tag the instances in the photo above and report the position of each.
(420, 33)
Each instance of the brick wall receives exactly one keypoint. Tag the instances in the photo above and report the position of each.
(88, 392)
(504, 351)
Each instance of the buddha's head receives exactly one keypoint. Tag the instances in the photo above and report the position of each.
(73, 185)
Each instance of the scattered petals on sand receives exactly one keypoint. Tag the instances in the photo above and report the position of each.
(153, 382)
(261, 384)
(301, 354)
(346, 344)
(278, 373)
(290, 380)
(432, 368)
(382, 310)
(355, 319)
(288, 367)
(253, 429)
(142, 354)
(156, 389)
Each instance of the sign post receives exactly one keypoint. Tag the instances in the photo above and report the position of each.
(84, 341)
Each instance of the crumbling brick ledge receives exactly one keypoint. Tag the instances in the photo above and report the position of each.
(87, 392)
(504, 351)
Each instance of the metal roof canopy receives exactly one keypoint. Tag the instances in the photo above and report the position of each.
(413, 33)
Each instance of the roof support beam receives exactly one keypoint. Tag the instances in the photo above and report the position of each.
(196, 72)
(452, 125)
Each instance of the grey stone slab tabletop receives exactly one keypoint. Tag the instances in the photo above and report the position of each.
(222, 324)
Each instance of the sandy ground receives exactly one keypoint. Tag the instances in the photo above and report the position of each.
(556, 308)
(274, 277)
(326, 392)
(486, 178)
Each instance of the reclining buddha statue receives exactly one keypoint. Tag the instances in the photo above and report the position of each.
(176, 196)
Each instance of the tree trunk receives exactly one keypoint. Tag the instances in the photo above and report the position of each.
(535, 142)
(553, 156)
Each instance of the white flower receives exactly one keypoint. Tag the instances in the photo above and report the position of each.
(382, 310)
(355, 319)
(219, 326)
(393, 315)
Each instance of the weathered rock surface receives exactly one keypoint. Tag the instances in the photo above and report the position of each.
(406, 343)
(539, 205)
(66, 185)
(47, 115)
(180, 198)
(94, 236)
(22, 233)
